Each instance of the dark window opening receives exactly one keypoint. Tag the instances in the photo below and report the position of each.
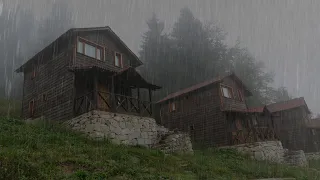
(191, 128)
(44, 97)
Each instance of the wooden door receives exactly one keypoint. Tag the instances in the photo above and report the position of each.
(104, 98)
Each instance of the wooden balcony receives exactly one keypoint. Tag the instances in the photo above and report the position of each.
(106, 101)
(255, 134)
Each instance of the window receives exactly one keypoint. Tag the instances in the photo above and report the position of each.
(172, 107)
(240, 95)
(118, 60)
(31, 108)
(226, 91)
(254, 121)
(191, 128)
(44, 97)
(238, 124)
(80, 47)
(33, 75)
(89, 49)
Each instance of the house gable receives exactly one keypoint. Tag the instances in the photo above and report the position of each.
(69, 38)
(112, 55)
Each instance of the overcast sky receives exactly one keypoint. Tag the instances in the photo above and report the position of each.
(282, 33)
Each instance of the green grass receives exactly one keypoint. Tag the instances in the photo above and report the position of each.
(10, 108)
(46, 151)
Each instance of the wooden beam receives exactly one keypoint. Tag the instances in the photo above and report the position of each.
(150, 99)
(113, 104)
(95, 90)
(139, 107)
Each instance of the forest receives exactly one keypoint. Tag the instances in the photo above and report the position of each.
(190, 52)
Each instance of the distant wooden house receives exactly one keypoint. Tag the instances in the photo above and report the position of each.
(313, 135)
(215, 113)
(84, 69)
(290, 118)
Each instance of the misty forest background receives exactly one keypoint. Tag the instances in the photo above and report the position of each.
(193, 51)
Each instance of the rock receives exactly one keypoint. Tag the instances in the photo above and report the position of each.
(131, 130)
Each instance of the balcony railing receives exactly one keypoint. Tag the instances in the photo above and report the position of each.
(111, 102)
(255, 134)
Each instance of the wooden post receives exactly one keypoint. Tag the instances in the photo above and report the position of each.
(95, 90)
(113, 105)
(139, 107)
(150, 99)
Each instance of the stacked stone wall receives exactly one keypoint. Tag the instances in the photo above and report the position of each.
(130, 130)
(272, 151)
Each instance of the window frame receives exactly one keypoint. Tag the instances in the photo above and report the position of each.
(121, 59)
(96, 46)
(230, 92)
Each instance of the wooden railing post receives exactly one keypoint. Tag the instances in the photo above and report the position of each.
(139, 106)
(150, 99)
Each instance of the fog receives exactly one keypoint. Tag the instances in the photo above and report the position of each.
(283, 34)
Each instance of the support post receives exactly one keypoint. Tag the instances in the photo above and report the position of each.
(150, 99)
(113, 104)
(139, 107)
(95, 90)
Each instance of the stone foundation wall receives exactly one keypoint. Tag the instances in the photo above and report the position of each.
(262, 151)
(130, 130)
(173, 142)
(313, 156)
(272, 151)
(296, 158)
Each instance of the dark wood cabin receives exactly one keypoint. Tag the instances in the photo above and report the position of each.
(290, 118)
(84, 69)
(313, 135)
(215, 113)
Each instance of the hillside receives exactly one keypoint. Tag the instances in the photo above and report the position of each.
(47, 151)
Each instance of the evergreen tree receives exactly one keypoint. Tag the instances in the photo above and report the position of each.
(194, 52)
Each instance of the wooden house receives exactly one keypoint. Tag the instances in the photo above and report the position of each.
(290, 118)
(82, 70)
(215, 113)
(313, 135)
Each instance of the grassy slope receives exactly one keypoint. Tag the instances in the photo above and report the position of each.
(10, 107)
(45, 151)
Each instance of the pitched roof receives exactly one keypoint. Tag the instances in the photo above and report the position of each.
(74, 30)
(202, 85)
(285, 105)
